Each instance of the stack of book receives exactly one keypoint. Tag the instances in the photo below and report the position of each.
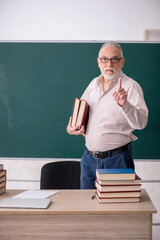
(3, 176)
(117, 185)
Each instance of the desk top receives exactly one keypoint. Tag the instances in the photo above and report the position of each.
(80, 202)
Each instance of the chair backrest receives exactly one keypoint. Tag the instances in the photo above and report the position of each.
(60, 175)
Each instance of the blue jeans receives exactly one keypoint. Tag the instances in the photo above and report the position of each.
(89, 164)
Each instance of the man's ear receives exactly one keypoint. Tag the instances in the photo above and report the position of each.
(122, 63)
(98, 61)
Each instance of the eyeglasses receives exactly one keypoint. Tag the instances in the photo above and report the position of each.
(113, 60)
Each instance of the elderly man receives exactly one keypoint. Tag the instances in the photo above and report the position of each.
(117, 108)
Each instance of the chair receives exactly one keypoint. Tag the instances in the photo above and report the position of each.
(60, 175)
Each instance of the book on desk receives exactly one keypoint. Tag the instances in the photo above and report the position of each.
(3, 177)
(117, 185)
(115, 174)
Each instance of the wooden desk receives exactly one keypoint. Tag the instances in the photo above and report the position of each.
(74, 215)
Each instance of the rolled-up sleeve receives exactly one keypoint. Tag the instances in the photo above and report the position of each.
(135, 109)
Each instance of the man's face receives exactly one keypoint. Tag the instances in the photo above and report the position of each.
(111, 69)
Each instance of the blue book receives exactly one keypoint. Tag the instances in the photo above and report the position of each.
(115, 174)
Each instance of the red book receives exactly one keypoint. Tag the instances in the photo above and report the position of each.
(1, 166)
(117, 188)
(3, 179)
(136, 181)
(118, 194)
(113, 186)
(80, 113)
(2, 173)
(2, 184)
(118, 200)
(2, 190)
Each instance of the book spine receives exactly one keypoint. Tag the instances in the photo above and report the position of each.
(75, 111)
(1, 166)
(85, 116)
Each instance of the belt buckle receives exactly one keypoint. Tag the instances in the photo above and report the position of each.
(95, 155)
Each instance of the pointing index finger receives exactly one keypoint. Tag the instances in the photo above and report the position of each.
(120, 83)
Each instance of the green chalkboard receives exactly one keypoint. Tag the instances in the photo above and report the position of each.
(38, 83)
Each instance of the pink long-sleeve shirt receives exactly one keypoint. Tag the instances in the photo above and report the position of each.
(110, 125)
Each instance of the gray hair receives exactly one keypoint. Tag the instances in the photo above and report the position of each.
(111, 43)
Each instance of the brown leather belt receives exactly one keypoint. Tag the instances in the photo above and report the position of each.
(110, 153)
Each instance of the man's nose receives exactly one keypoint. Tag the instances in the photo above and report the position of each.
(109, 64)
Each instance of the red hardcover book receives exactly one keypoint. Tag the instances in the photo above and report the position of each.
(2, 173)
(118, 194)
(2, 184)
(2, 190)
(136, 181)
(80, 113)
(3, 179)
(1, 166)
(117, 187)
(118, 200)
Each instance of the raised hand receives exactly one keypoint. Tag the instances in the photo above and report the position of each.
(120, 95)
